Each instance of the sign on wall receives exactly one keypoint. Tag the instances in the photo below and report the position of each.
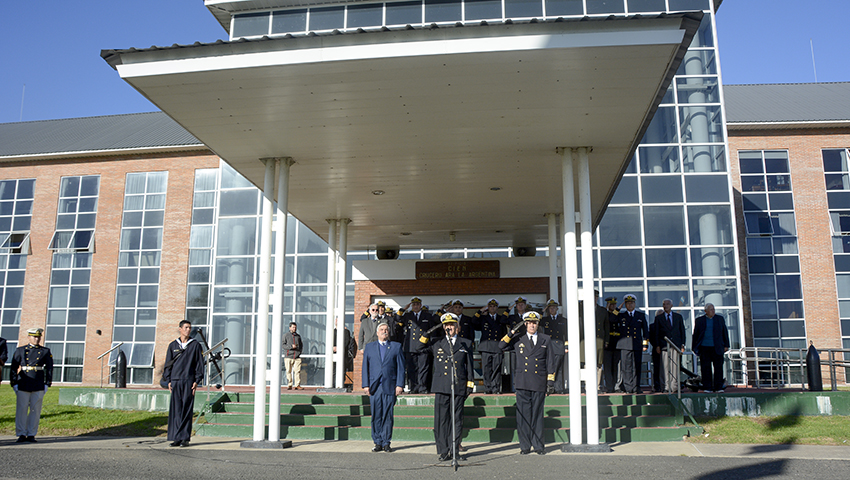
(457, 270)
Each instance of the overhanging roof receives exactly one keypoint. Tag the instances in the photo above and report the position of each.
(785, 106)
(434, 117)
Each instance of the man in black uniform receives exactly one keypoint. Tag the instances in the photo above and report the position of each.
(555, 326)
(465, 324)
(183, 371)
(417, 322)
(4, 355)
(492, 328)
(534, 377)
(633, 341)
(31, 374)
(611, 356)
(448, 350)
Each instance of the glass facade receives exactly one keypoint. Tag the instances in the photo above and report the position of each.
(776, 294)
(70, 276)
(137, 287)
(300, 21)
(837, 176)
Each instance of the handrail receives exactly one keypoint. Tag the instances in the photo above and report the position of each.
(100, 357)
(779, 363)
(678, 366)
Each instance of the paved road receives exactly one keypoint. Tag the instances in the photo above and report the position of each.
(151, 458)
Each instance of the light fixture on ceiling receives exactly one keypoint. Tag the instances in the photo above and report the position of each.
(404, 234)
(495, 189)
(377, 192)
(451, 236)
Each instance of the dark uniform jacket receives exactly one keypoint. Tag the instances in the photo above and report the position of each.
(36, 365)
(535, 364)
(556, 328)
(415, 329)
(676, 332)
(633, 330)
(444, 354)
(613, 332)
(492, 331)
(189, 366)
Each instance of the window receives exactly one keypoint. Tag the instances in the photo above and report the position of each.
(76, 215)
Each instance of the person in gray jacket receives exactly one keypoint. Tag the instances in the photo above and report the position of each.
(292, 347)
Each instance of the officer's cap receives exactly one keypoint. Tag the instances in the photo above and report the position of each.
(448, 318)
(415, 300)
(630, 298)
(552, 303)
(611, 299)
(493, 301)
(380, 303)
(424, 308)
(521, 299)
(457, 301)
(531, 317)
(35, 332)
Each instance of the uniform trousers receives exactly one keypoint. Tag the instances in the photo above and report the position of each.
(628, 363)
(443, 422)
(658, 379)
(418, 364)
(611, 370)
(529, 419)
(28, 412)
(709, 358)
(181, 410)
(672, 360)
(382, 406)
(293, 371)
(491, 366)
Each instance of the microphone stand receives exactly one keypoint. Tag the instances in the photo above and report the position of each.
(454, 424)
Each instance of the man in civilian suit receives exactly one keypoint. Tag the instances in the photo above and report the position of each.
(710, 341)
(671, 325)
(632, 343)
(383, 380)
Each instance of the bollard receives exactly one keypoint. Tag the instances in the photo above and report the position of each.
(813, 369)
(121, 370)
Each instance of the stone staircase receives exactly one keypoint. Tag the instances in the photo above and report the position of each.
(487, 418)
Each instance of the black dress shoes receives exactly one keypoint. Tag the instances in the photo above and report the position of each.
(32, 439)
(540, 452)
(185, 443)
(524, 452)
(377, 448)
(445, 457)
(388, 448)
(21, 439)
(176, 443)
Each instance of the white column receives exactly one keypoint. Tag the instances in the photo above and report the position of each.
(553, 255)
(340, 334)
(263, 304)
(277, 316)
(329, 323)
(571, 298)
(590, 384)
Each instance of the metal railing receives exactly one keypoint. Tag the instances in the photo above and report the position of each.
(670, 344)
(774, 367)
(100, 357)
(834, 364)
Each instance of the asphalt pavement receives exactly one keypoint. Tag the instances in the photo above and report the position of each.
(209, 457)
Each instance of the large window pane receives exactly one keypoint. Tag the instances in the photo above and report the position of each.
(662, 189)
(620, 227)
(282, 22)
(523, 8)
(365, 15)
(621, 263)
(664, 225)
(666, 262)
(442, 11)
(707, 188)
(250, 24)
(710, 224)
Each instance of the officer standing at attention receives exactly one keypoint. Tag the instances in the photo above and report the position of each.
(611, 356)
(31, 374)
(632, 343)
(555, 326)
(492, 328)
(417, 322)
(448, 350)
(183, 371)
(534, 377)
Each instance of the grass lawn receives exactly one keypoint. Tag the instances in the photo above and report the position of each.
(809, 430)
(69, 421)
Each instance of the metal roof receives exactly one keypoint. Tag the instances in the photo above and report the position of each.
(92, 135)
(797, 105)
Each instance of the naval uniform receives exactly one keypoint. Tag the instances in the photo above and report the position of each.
(556, 328)
(417, 353)
(612, 377)
(181, 373)
(492, 328)
(534, 374)
(633, 334)
(445, 353)
(31, 373)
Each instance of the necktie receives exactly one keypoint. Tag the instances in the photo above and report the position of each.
(382, 349)
(670, 320)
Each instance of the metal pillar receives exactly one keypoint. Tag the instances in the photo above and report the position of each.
(340, 329)
(553, 254)
(263, 304)
(329, 323)
(571, 299)
(277, 316)
(590, 370)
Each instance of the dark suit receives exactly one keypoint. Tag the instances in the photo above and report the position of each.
(556, 328)
(418, 354)
(674, 329)
(441, 386)
(381, 377)
(613, 379)
(657, 376)
(181, 374)
(492, 330)
(534, 373)
(711, 356)
(633, 334)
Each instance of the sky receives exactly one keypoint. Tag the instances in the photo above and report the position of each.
(50, 64)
